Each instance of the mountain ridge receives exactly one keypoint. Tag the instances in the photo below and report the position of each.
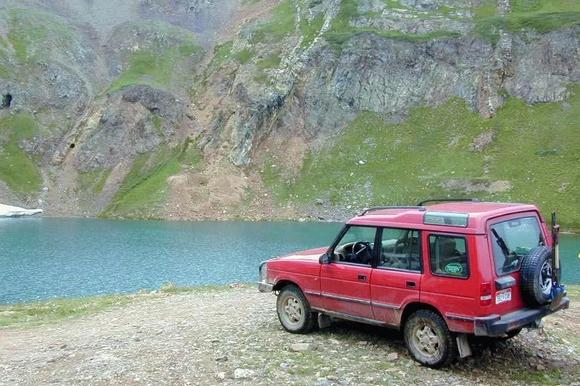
(202, 109)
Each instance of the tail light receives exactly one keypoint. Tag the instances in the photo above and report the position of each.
(485, 294)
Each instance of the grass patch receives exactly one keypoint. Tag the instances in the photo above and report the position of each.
(341, 30)
(221, 53)
(158, 124)
(17, 169)
(375, 162)
(172, 288)
(31, 314)
(153, 68)
(536, 377)
(271, 61)
(280, 25)
(164, 59)
(4, 72)
(94, 181)
(538, 15)
(33, 34)
(486, 8)
(310, 30)
(244, 56)
(52, 311)
(145, 186)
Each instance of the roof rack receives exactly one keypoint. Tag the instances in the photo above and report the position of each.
(367, 210)
(422, 203)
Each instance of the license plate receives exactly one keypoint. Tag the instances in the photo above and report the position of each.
(503, 296)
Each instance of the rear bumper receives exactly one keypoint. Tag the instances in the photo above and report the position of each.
(265, 287)
(498, 326)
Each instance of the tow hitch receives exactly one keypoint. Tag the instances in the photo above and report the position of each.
(558, 289)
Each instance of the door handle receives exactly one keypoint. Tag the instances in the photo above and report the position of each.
(362, 277)
(411, 284)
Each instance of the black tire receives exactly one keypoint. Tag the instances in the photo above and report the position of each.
(429, 340)
(537, 276)
(294, 311)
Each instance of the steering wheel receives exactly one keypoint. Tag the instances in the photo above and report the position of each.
(359, 247)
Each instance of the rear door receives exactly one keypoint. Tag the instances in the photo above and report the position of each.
(521, 233)
(451, 281)
(345, 282)
(396, 280)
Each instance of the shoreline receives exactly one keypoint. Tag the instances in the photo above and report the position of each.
(564, 231)
(233, 337)
(29, 314)
(55, 310)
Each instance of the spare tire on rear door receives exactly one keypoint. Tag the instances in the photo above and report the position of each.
(537, 276)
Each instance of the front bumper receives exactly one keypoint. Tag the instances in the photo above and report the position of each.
(265, 287)
(498, 326)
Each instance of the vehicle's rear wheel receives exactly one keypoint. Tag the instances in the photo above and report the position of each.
(429, 340)
(537, 276)
(294, 310)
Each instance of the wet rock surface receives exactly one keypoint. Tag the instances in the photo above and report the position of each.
(233, 337)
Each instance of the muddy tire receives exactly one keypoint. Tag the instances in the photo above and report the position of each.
(294, 311)
(429, 340)
(537, 276)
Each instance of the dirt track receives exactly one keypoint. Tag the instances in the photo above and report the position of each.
(232, 336)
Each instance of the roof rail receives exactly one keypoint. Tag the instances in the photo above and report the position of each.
(367, 210)
(422, 203)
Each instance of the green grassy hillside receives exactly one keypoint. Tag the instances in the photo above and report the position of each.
(535, 149)
(17, 169)
(538, 15)
(144, 189)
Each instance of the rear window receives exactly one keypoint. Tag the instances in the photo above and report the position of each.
(512, 240)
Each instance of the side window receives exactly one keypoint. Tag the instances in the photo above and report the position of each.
(356, 246)
(400, 249)
(448, 256)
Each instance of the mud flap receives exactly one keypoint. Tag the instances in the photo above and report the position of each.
(463, 346)
(323, 321)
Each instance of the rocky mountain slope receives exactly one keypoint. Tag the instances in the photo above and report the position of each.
(194, 109)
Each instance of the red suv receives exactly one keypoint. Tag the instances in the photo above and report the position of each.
(438, 272)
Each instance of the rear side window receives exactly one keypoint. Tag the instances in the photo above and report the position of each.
(448, 256)
(512, 240)
(400, 249)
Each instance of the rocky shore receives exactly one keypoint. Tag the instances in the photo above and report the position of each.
(232, 337)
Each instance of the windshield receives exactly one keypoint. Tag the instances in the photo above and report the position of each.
(512, 240)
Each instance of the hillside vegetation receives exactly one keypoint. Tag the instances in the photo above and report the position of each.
(287, 108)
(448, 151)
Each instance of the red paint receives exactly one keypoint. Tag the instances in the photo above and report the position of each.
(382, 294)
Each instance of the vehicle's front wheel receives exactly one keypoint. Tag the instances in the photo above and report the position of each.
(429, 340)
(294, 310)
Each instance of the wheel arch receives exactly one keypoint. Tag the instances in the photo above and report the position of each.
(283, 283)
(415, 306)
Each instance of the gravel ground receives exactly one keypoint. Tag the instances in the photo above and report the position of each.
(232, 337)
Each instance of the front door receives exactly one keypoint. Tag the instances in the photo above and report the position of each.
(396, 281)
(345, 282)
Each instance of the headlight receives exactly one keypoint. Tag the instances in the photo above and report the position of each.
(264, 272)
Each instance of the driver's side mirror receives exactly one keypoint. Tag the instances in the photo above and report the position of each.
(325, 259)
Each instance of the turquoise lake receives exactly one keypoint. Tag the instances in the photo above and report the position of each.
(42, 258)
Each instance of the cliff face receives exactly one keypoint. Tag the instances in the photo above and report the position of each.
(193, 109)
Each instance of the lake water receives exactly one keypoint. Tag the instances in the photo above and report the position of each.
(43, 258)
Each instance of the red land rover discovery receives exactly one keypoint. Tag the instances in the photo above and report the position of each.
(439, 272)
